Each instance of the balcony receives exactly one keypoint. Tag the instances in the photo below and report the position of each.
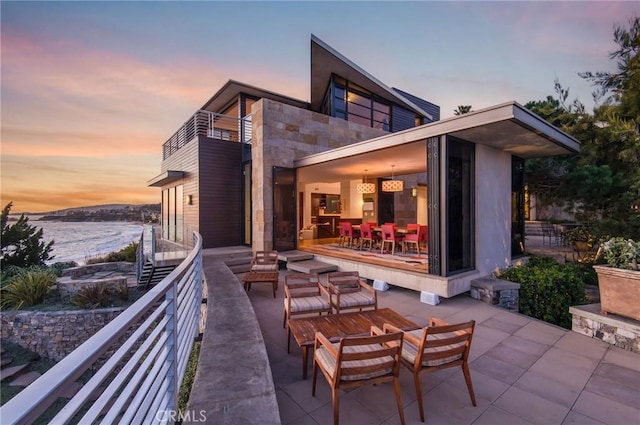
(212, 125)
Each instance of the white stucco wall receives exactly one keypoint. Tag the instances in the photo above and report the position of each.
(493, 209)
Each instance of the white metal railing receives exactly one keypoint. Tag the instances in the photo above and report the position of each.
(136, 362)
(210, 124)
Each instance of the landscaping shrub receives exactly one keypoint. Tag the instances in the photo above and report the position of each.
(548, 289)
(58, 267)
(27, 289)
(128, 254)
(92, 296)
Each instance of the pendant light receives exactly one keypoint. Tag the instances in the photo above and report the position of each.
(365, 187)
(392, 185)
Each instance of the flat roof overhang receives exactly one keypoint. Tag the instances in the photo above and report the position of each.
(508, 127)
(166, 178)
(326, 61)
(230, 91)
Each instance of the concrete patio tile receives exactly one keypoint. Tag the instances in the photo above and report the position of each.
(512, 317)
(582, 344)
(497, 416)
(290, 412)
(548, 388)
(541, 332)
(351, 412)
(479, 312)
(485, 338)
(300, 393)
(511, 355)
(526, 345)
(497, 369)
(484, 386)
(502, 325)
(571, 369)
(613, 389)
(380, 399)
(606, 410)
(531, 407)
(448, 404)
(623, 358)
(622, 375)
(575, 418)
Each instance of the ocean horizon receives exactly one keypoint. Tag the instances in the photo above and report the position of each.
(81, 241)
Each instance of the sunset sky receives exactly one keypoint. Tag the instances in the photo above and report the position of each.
(91, 90)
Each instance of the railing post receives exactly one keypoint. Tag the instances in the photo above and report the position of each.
(153, 245)
(172, 342)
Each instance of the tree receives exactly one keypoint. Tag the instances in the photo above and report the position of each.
(601, 184)
(462, 109)
(20, 243)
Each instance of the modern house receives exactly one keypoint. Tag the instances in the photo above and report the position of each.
(255, 167)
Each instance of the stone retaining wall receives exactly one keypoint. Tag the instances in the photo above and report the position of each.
(54, 334)
(80, 271)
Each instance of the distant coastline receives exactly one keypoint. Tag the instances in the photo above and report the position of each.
(146, 213)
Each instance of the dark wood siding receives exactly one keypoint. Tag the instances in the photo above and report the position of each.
(428, 107)
(401, 119)
(220, 206)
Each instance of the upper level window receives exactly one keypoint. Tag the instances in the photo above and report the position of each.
(348, 101)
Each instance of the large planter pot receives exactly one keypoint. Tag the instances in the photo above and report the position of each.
(619, 291)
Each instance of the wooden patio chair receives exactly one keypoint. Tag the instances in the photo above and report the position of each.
(303, 294)
(348, 292)
(438, 346)
(264, 261)
(357, 361)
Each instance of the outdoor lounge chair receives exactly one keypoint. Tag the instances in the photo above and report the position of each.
(438, 346)
(348, 292)
(357, 361)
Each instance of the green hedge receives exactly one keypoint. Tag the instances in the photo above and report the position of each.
(548, 289)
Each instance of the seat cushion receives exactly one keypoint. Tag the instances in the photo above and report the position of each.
(329, 363)
(307, 304)
(264, 267)
(410, 351)
(354, 299)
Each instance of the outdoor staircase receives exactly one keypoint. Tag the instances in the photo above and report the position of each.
(304, 262)
(18, 375)
(151, 274)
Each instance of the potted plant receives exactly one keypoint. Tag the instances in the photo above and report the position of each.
(619, 280)
(580, 237)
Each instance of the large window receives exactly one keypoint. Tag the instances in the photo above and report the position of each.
(346, 100)
(173, 214)
(517, 207)
(460, 206)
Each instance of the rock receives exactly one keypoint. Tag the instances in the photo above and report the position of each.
(11, 371)
(25, 380)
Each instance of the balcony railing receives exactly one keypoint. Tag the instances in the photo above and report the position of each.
(209, 124)
(133, 367)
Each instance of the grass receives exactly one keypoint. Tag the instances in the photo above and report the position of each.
(189, 376)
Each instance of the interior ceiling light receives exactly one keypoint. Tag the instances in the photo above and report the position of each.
(392, 185)
(365, 187)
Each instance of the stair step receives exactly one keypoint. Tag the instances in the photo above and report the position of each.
(25, 380)
(5, 361)
(311, 266)
(12, 371)
(294, 256)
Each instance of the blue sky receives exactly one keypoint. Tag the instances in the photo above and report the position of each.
(91, 90)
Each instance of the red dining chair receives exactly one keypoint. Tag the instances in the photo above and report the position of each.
(367, 235)
(350, 234)
(341, 228)
(389, 237)
(415, 238)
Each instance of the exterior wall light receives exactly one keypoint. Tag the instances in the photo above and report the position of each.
(414, 192)
(189, 199)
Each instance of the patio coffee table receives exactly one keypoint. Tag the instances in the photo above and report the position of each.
(261, 276)
(336, 326)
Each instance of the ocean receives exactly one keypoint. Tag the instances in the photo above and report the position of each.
(80, 241)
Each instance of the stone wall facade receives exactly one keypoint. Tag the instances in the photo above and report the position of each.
(615, 330)
(282, 134)
(496, 292)
(54, 334)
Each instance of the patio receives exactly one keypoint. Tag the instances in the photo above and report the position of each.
(524, 371)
